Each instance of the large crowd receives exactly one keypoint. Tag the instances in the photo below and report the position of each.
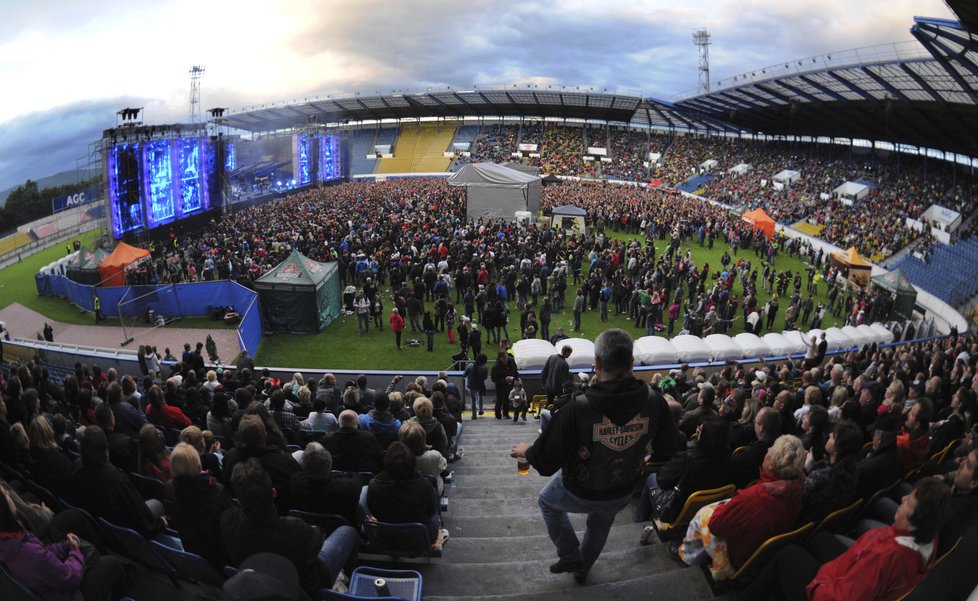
(211, 463)
(901, 187)
(185, 453)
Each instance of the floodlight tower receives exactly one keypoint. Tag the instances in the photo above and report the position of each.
(701, 38)
(196, 72)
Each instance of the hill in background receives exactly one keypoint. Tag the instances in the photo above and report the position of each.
(63, 178)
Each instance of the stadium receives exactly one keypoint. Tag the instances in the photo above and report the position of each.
(797, 240)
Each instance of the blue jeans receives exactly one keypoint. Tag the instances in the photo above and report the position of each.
(545, 417)
(339, 551)
(475, 394)
(644, 510)
(556, 502)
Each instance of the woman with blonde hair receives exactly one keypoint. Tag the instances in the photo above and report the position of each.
(428, 461)
(424, 412)
(726, 533)
(194, 502)
(50, 465)
(212, 382)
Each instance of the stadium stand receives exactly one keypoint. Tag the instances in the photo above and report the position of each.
(629, 150)
(13, 242)
(362, 144)
(419, 149)
(466, 133)
(948, 273)
(495, 144)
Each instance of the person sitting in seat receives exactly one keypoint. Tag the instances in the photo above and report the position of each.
(277, 463)
(253, 527)
(57, 571)
(381, 421)
(353, 449)
(703, 467)
(105, 491)
(429, 461)
(194, 502)
(883, 565)
(400, 494)
(834, 486)
(316, 490)
(726, 533)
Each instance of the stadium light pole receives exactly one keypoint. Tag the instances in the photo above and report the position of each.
(701, 38)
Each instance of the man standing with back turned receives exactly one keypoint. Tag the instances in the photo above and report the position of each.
(596, 445)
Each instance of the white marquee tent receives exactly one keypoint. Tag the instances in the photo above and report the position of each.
(495, 191)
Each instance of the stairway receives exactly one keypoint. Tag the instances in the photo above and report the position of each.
(499, 548)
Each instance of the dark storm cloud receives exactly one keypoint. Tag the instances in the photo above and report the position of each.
(433, 45)
(40, 144)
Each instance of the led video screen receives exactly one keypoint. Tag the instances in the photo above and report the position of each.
(158, 182)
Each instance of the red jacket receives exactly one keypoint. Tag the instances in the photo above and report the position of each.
(913, 451)
(397, 322)
(168, 417)
(755, 514)
(876, 568)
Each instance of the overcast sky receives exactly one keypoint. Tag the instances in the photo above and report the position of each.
(67, 66)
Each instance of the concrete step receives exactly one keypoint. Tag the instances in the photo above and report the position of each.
(495, 459)
(674, 585)
(530, 546)
(522, 523)
(506, 477)
(483, 506)
(522, 576)
(478, 489)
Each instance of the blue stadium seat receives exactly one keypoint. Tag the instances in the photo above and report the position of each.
(402, 585)
(189, 566)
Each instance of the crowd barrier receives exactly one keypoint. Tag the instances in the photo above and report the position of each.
(182, 300)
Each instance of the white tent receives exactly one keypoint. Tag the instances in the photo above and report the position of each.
(495, 191)
(691, 348)
(869, 333)
(885, 335)
(583, 355)
(654, 350)
(568, 218)
(723, 347)
(859, 337)
(779, 344)
(850, 192)
(797, 341)
(532, 353)
(787, 176)
(838, 339)
(753, 345)
(708, 165)
(739, 169)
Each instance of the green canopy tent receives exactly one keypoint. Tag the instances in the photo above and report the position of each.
(904, 294)
(299, 295)
(84, 267)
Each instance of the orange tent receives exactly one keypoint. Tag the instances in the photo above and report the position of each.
(858, 268)
(113, 269)
(851, 258)
(760, 220)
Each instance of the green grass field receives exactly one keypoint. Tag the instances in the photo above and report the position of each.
(339, 346)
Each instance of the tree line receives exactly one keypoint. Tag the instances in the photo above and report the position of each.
(27, 202)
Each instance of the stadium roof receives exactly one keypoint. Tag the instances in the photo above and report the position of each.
(923, 94)
(926, 96)
(967, 12)
(503, 101)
